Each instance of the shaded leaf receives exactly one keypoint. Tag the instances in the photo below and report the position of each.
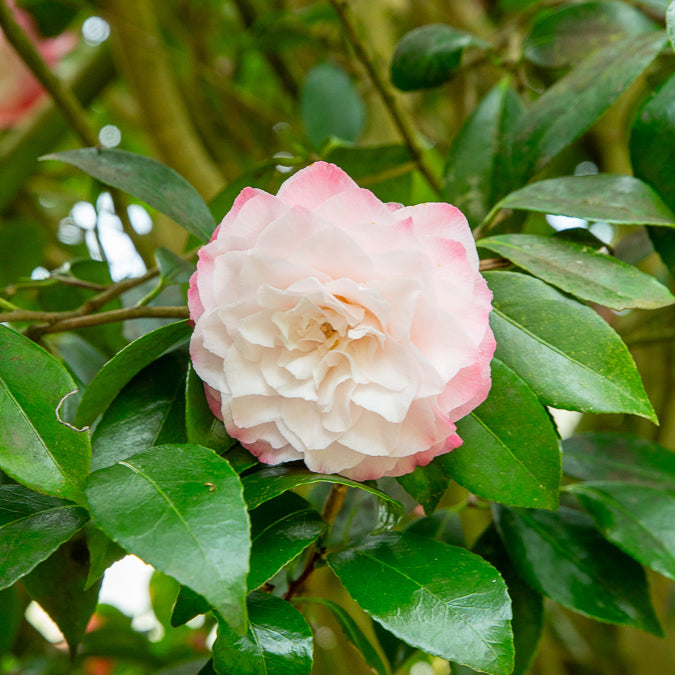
(670, 22)
(428, 56)
(564, 557)
(148, 180)
(426, 484)
(188, 605)
(510, 452)
(440, 598)
(166, 501)
(564, 351)
(278, 641)
(36, 448)
(581, 271)
(638, 519)
(103, 552)
(172, 267)
(32, 527)
(125, 365)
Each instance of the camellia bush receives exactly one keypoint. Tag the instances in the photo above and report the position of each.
(352, 319)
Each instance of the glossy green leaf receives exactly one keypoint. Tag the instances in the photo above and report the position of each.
(148, 411)
(564, 557)
(281, 529)
(352, 632)
(606, 197)
(574, 103)
(57, 585)
(619, 457)
(125, 365)
(428, 56)
(652, 137)
(440, 598)
(188, 605)
(510, 452)
(263, 485)
(36, 447)
(581, 271)
(638, 519)
(278, 641)
(330, 105)
(475, 174)
(670, 22)
(32, 527)
(148, 180)
(426, 484)
(565, 35)
(564, 351)
(162, 504)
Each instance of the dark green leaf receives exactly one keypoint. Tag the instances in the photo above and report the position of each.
(428, 56)
(148, 411)
(571, 106)
(510, 452)
(475, 176)
(32, 527)
(36, 447)
(426, 484)
(172, 267)
(162, 504)
(352, 632)
(148, 180)
(278, 641)
(581, 271)
(125, 365)
(619, 457)
(565, 35)
(606, 197)
(566, 353)
(57, 585)
(103, 552)
(445, 525)
(263, 485)
(440, 598)
(26, 240)
(188, 605)
(564, 557)
(636, 518)
(11, 617)
(281, 529)
(331, 106)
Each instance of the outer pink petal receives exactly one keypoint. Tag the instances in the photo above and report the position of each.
(314, 184)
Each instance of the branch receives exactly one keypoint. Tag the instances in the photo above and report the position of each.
(405, 127)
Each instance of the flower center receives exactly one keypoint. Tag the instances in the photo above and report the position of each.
(327, 330)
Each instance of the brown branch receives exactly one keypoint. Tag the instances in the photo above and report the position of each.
(403, 124)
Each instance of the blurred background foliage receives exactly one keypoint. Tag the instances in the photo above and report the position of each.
(238, 92)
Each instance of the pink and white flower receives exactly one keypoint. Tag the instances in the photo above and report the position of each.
(338, 330)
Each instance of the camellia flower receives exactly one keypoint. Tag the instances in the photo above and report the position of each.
(19, 90)
(335, 329)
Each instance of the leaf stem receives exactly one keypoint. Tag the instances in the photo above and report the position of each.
(403, 124)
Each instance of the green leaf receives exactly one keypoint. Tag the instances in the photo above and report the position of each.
(565, 35)
(263, 485)
(161, 505)
(146, 179)
(57, 585)
(103, 552)
(564, 351)
(636, 518)
(426, 484)
(281, 529)
(188, 605)
(652, 137)
(352, 632)
(475, 174)
(610, 198)
(440, 598)
(32, 527)
(36, 447)
(278, 641)
(330, 105)
(670, 23)
(148, 411)
(510, 452)
(173, 268)
(22, 243)
(12, 616)
(575, 102)
(563, 556)
(581, 271)
(619, 457)
(125, 365)
(429, 55)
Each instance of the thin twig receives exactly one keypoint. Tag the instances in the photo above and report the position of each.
(403, 124)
